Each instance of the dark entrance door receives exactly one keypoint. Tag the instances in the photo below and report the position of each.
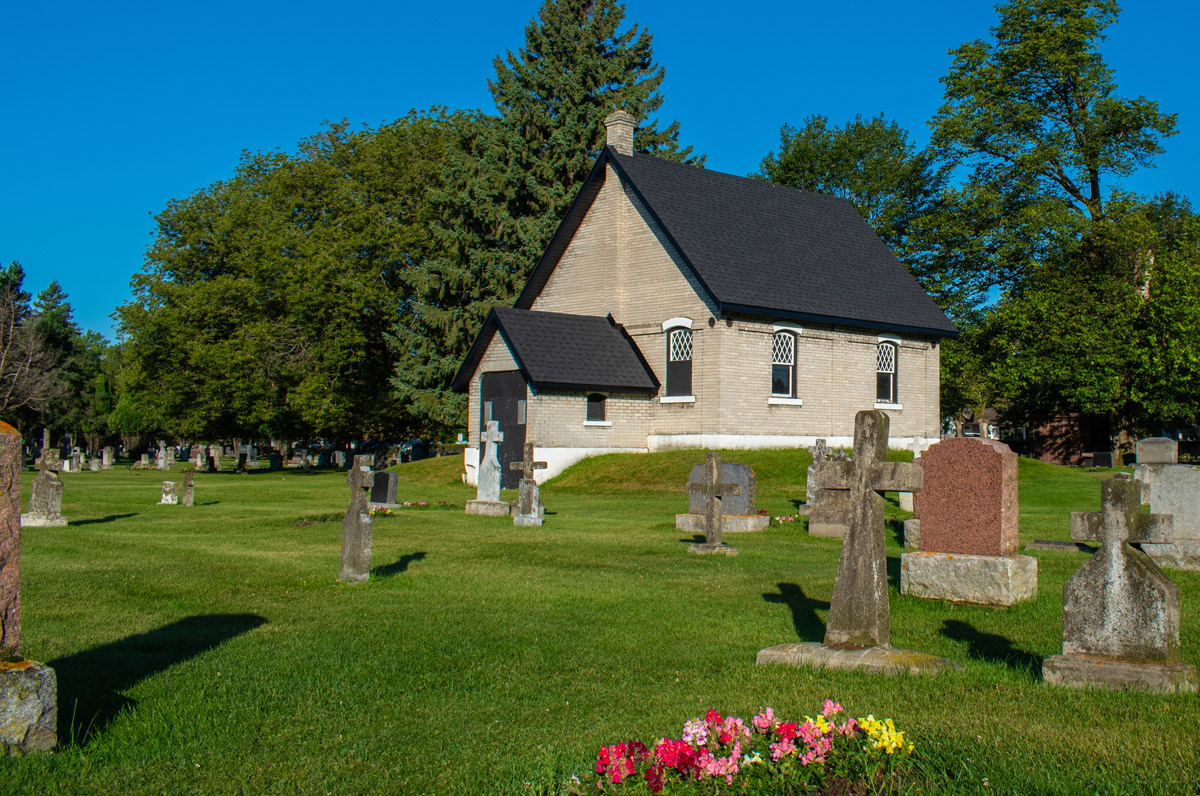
(502, 398)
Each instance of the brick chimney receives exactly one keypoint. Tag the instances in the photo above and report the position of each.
(619, 125)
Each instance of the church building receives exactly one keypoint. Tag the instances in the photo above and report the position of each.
(678, 307)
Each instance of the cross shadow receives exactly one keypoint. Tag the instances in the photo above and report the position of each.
(796, 503)
(398, 566)
(109, 518)
(809, 626)
(90, 682)
(893, 571)
(697, 539)
(991, 647)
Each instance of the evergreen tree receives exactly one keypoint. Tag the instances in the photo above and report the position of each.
(511, 179)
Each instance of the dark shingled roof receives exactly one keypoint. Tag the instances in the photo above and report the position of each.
(765, 249)
(568, 352)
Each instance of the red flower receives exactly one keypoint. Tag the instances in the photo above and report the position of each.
(712, 717)
(787, 731)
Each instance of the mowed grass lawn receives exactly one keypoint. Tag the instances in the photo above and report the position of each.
(209, 650)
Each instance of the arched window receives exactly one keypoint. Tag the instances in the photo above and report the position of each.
(679, 362)
(783, 364)
(886, 359)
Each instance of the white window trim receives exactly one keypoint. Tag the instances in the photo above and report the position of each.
(781, 400)
(787, 326)
(888, 337)
(598, 423)
(885, 405)
(677, 323)
(677, 399)
(794, 330)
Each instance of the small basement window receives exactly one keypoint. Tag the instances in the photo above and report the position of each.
(596, 407)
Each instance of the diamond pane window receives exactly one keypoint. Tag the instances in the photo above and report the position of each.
(783, 364)
(681, 345)
(885, 373)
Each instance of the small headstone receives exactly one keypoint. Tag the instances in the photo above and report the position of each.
(528, 509)
(145, 461)
(969, 527)
(385, 489)
(828, 511)
(242, 460)
(323, 459)
(339, 459)
(1157, 450)
(712, 490)
(1173, 489)
(77, 462)
(106, 457)
(170, 494)
(28, 689)
(188, 496)
(858, 628)
(357, 529)
(94, 465)
(275, 461)
(487, 501)
(738, 512)
(45, 496)
(214, 458)
(1120, 612)
(170, 456)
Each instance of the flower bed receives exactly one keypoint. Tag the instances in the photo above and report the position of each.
(831, 753)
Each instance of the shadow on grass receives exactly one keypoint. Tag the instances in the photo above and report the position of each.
(991, 647)
(398, 566)
(896, 529)
(90, 682)
(109, 518)
(809, 626)
(893, 571)
(697, 539)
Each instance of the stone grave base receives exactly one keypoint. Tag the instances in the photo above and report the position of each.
(28, 708)
(730, 523)
(531, 520)
(912, 533)
(1081, 671)
(1180, 554)
(705, 549)
(986, 580)
(488, 508)
(873, 660)
(42, 521)
(819, 526)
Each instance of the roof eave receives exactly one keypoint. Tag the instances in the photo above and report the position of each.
(840, 321)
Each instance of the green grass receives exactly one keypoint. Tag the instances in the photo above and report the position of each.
(210, 650)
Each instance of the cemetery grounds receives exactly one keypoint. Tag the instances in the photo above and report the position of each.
(210, 651)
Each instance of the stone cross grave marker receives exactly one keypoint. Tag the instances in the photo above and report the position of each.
(188, 496)
(489, 465)
(28, 689)
(738, 512)
(357, 526)
(529, 509)
(1120, 612)
(858, 630)
(859, 615)
(712, 489)
(170, 494)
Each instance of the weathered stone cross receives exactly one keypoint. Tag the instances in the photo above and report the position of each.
(488, 474)
(819, 452)
(712, 490)
(1121, 519)
(859, 615)
(494, 435)
(527, 465)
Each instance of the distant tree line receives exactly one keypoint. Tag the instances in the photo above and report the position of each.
(332, 292)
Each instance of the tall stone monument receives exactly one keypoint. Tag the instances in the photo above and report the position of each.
(969, 527)
(528, 509)
(107, 457)
(487, 501)
(28, 689)
(1120, 612)
(711, 491)
(357, 528)
(45, 495)
(858, 630)
(188, 496)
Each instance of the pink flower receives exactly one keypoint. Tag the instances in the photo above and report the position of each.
(764, 721)
(782, 748)
(817, 752)
(850, 727)
(696, 732)
(830, 707)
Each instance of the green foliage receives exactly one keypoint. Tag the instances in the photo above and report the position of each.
(510, 179)
(262, 307)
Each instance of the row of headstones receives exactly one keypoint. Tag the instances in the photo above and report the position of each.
(528, 509)
(1120, 611)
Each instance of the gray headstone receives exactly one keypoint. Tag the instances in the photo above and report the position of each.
(339, 458)
(106, 457)
(357, 529)
(161, 458)
(94, 465)
(1173, 489)
(188, 496)
(1157, 450)
(859, 614)
(740, 474)
(214, 456)
(385, 487)
(145, 461)
(170, 494)
(45, 501)
(713, 492)
(275, 461)
(488, 477)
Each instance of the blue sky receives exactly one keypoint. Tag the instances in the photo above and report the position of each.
(111, 111)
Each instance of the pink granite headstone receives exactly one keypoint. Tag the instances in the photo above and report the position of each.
(10, 541)
(969, 502)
